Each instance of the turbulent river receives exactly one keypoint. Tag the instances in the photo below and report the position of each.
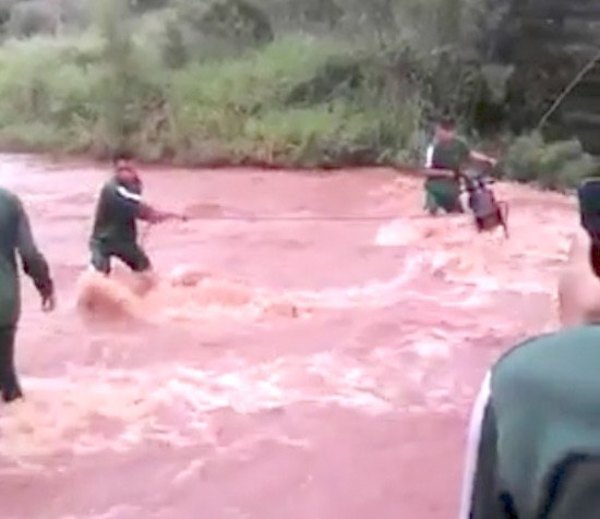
(317, 369)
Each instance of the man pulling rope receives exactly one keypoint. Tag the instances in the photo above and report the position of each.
(115, 226)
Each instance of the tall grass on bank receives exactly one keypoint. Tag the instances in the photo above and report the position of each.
(297, 101)
(295, 83)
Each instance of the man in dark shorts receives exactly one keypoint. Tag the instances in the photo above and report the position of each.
(534, 443)
(445, 158)
(16, 238)
(115, 228)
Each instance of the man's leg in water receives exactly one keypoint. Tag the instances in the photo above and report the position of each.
(147, 280)
(450, 202)
(9, 383)
(431, 205)
(100, 258)
(137, 260)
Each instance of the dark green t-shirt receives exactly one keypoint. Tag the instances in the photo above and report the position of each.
(116, 213)
(450, 154)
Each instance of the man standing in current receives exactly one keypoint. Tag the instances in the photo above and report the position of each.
(16, 237)
(115, 228)
(445, 158)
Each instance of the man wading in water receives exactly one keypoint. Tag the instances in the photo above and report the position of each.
(445, 158)
(115, 228)
(16, 237)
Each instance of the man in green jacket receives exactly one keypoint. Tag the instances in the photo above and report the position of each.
(534, 440)
(115, 228)
(16, 237)
(446, 157)
(533, 450)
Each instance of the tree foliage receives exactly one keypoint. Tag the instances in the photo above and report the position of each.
(246, 79)
(32, 17)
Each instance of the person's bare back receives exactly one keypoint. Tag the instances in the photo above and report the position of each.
(578, 286)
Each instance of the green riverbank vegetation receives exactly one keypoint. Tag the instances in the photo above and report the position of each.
(287, 83)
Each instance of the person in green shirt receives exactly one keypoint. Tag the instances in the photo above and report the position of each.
(114, 233)
(16, 238)
(534, 440)
(533, 449)
(446, 157)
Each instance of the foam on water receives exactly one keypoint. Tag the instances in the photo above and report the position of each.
(472, 275)
(396, 233)
(111, 410)
(386, 340)
(94, 410)
(187, 296)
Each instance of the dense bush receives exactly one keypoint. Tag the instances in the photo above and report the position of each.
(214, 30)
(289, 82)
(75, 14)
(238, 110)
(175, 53)
(5, 12)
(552, 165)
(237, 20)
(32, 17)
(327, 12)
(140, 6)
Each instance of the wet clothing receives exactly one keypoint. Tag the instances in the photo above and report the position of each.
(115, 227)
(450, 154)
(443, 192)
(16, 237)
(9, 382)
(534, 441)
(131, 255)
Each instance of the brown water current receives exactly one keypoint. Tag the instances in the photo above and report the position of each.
(314, 370)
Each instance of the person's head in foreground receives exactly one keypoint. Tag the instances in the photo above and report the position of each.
(534, 439)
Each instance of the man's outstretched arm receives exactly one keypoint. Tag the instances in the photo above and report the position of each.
(142, 210)
(34, 263)
(152, 215)
(482, 157)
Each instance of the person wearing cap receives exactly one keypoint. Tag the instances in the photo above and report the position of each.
(533, 448)
(114, 232)
(445, 158)
(16, 238)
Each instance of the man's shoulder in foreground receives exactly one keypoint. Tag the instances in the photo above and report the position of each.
(553, 358)
(7, 195)
(563, 341)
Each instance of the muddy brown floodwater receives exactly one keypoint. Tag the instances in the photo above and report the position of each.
(321, 370)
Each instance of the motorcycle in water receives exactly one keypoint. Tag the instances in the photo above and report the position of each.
(488, 212)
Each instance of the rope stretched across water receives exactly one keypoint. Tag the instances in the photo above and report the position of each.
(569, 88)
(297, 218)
(282, 218)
